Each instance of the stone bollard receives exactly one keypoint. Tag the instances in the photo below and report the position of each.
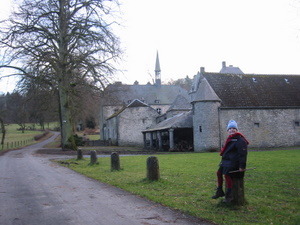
(238, 192)
(79, 154)
(93, 157)
(115, 161)
(152, 168)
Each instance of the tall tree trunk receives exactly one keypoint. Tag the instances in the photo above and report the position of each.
(67, 139)
(3, 132)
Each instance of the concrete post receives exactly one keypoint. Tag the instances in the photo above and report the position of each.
(152, 168)
(79, 154)
(93, 157)
(115, 161)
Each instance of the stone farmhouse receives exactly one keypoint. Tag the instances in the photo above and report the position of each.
(266, 108)
(127, 110)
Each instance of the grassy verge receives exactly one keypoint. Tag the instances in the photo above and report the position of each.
(188, 181)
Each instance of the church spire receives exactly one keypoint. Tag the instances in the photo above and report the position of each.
(157, 71)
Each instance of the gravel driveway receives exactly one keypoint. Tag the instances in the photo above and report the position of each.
(36, 191)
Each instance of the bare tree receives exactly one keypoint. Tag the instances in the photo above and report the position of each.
(185, 83)
(2, 115)
(16, 106)
(63, 43)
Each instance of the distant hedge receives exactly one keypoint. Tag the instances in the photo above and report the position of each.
(39, 136)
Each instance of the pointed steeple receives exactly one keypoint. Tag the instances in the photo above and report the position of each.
(157, 71)
(157, 65)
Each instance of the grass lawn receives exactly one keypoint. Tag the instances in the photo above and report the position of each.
(188, 181)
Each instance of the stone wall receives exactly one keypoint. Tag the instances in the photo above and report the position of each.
(126, 128)
(105, 112)
(111, 131)
(264, 127)
(206, 126)
(131, 123)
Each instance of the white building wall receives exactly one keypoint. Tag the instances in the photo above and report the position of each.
(131, 123)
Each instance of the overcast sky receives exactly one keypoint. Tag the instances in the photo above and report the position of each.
(258, 36)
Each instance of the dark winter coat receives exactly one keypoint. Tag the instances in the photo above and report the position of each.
(235, 153)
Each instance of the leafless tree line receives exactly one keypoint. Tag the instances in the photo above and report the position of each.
(64, 48)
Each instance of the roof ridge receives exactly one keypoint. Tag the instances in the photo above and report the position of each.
(251, 74)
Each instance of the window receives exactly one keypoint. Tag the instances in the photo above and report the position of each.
(256, 124)
(297, 124)
(156, 101)
(158, 110)
(129, 101)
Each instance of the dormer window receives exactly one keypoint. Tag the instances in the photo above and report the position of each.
(286, 80)
(254, 79)
(158, 110)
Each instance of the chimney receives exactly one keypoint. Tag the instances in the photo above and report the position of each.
(202, 69)
(223, 64)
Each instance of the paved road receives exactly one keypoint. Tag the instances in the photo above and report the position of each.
(36, 191)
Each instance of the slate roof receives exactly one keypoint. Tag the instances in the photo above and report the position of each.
(119, 94)
(182, 120)
(249, 90)
(205, 92)
(134, 103)
(180, 103)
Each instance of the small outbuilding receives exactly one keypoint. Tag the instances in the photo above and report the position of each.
(121, 128)
(172, 134)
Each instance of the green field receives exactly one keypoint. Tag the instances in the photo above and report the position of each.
(188, 180)
(15, 138)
